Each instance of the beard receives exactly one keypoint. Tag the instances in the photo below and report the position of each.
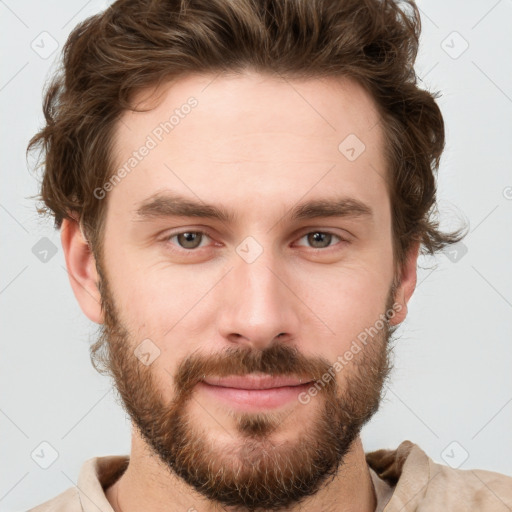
(253, 472)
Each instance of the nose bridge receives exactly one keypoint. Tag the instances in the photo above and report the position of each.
(258, 306)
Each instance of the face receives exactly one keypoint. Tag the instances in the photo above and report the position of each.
(248, 242)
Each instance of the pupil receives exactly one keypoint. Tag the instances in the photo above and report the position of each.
(318, 237)
(190, 240)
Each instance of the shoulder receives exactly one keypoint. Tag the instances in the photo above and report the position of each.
(418, 481)
(469, 489)
(67, 501)
(96, 475)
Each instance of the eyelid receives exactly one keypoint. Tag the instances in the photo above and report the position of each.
(342, 233)
(342, 239)
(172, 234)
(301, 234)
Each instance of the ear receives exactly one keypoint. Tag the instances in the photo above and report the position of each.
(81, 267)
(408, 279)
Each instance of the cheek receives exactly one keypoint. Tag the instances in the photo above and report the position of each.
(148, 289)
(169, 307)
(352, 300)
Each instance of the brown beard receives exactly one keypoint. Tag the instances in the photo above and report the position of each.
(253, 473)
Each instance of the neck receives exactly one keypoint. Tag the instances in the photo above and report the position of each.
(148, 485)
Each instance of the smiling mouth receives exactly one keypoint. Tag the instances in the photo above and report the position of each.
(255, 381)
(254, 392)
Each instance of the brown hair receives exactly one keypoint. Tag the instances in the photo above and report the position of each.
(135, 44)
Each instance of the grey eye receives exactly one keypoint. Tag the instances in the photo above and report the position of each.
(323, 239)
(189, 239)
(320, 239)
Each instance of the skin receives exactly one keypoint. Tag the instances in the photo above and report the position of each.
(252, 140)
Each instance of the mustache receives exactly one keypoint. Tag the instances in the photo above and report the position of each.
(276, 360)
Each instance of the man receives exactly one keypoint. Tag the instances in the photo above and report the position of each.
(243, 189)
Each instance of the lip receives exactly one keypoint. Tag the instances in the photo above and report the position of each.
(254, 381)
(251, 393)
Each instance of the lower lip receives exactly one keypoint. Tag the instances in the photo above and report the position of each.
(254, 399)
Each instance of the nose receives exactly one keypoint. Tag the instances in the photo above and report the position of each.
(258, 306)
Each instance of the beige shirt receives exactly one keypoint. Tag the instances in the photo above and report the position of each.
(405, 480)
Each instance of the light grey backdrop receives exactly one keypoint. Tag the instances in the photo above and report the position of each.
(451, 390)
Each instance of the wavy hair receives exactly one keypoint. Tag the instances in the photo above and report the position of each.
(139, 43)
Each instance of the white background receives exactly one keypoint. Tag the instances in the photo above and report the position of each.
(452, 379)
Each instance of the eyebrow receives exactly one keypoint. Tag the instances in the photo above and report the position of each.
(163, 205)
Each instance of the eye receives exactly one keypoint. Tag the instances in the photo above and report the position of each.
(187, 239)
(321, 239)
(191, 240)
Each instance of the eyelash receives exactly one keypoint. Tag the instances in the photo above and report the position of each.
(168, 238)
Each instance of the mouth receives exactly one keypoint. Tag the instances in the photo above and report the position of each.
(254, 392)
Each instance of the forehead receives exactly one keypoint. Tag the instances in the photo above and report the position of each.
(326, 108)
(208, 134)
